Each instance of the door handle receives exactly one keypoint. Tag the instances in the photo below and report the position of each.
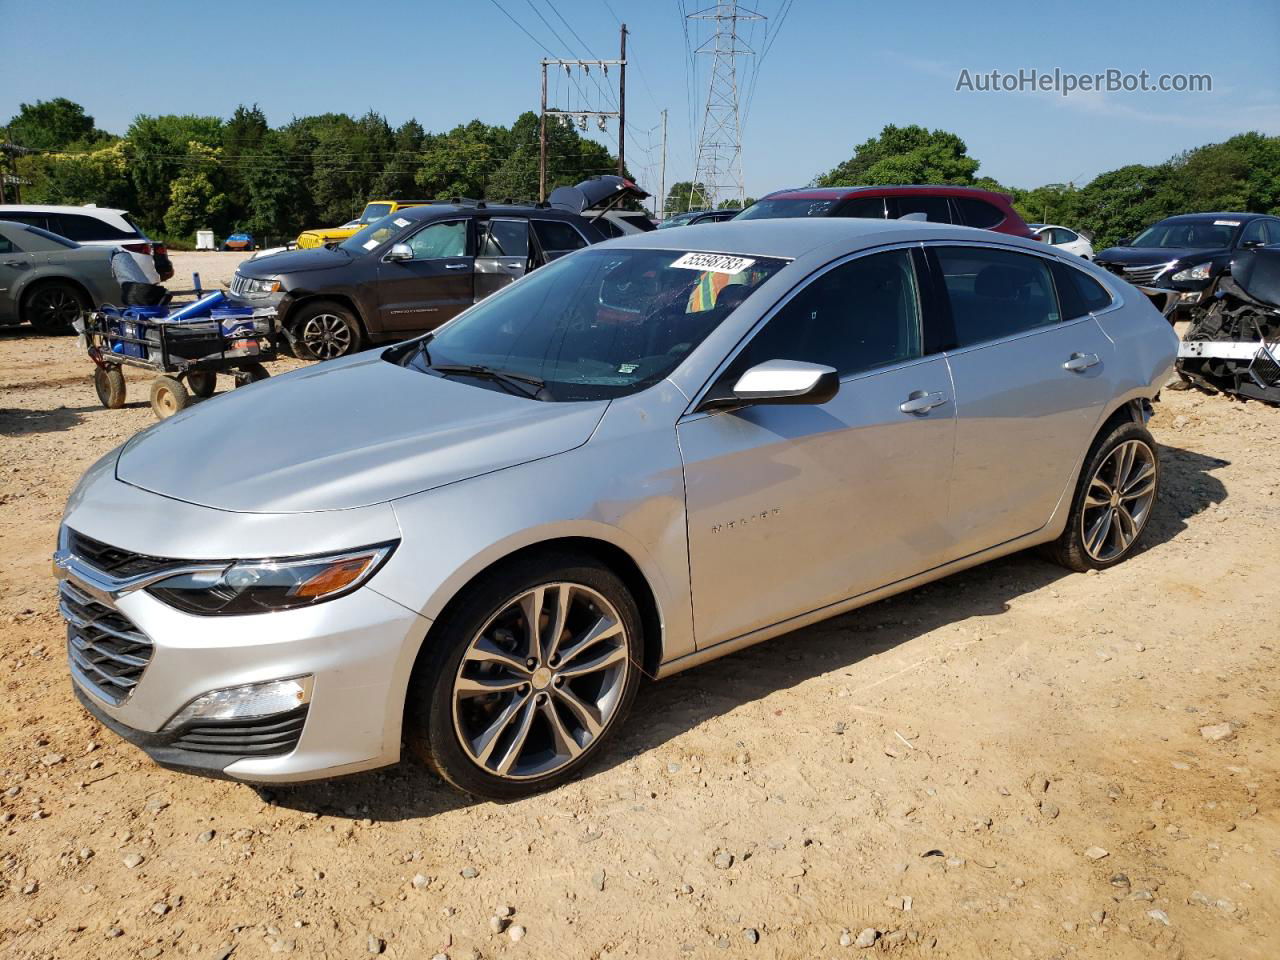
(14, 263)
(1080, 362)
(921, 402)
(455, 266)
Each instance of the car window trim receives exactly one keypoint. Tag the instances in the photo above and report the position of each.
(692, 411)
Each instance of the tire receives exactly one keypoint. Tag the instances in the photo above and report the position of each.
(168, 396)
(202, 383)
(325, 330)
(109, 384)
(446, 706)
(251, 373)
(1098, 535)
(53, 305)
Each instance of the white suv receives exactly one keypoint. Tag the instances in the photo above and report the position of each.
(96, 227)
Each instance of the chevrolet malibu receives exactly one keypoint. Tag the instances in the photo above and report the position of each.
(643, 456)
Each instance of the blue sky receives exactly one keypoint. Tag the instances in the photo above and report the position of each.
(836, 72)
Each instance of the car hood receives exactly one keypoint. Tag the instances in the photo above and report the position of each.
(345, 434)
(1148, 255)
(292, 261)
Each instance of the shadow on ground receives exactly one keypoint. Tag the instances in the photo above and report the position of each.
(665, 710)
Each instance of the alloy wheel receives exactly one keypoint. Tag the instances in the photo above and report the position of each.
(541, 681)
(54, 308)
(327, 336)
(1118, 502)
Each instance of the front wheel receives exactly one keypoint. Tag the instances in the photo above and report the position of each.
(109, 384)
(523, 681)
(168, 396)
(1113, 502)
(326, 331)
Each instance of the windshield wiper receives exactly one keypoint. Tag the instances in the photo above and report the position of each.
(518, 382)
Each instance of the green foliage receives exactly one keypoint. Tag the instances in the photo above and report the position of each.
(53, 125)
(195, 197)
(908, 154)
(685, 196)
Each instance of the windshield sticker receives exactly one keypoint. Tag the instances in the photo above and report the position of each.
(713, 263)
(628, 367)
(1226, 223)
(400, 222)
(370, 244)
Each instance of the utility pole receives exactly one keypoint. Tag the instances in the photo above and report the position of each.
(580, 115)
(662, 177)
(719, 157)
(622, 99)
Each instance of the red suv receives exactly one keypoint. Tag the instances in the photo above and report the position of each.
(964, 205)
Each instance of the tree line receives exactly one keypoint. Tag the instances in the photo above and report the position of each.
(177, 174)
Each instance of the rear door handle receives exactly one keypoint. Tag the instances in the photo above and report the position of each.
(1080, 362)
(921, 402)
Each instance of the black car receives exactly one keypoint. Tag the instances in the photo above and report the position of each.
(411, 271)
(1179, 260)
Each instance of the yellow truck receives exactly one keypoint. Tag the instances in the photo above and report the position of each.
(373, 210)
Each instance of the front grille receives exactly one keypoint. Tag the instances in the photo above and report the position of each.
(239, 285)
(113, 561)
(104, 645)
(265, 737)
(1145, 274)
(1264, 369)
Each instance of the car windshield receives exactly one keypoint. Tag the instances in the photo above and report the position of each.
(786, 207)
(1201, 234)
(374, 211)
(598, 324)
(372, 236)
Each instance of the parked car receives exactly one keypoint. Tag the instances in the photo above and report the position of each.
(413, 270)
(641, 457)
(93, 226)
(599, 198)
(1179, 261)
(1063, 238)
(697, 216)
(936, 204)
(238, 241)
(48, 281)
(374, 210)
(680, 219)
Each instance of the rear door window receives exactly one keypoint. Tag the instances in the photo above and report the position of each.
(871, 208)
(503, 238)
(977, 213)
(557, 238)
(935, 209)
(996, 293)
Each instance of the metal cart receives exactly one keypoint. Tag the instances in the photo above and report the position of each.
(193, 351)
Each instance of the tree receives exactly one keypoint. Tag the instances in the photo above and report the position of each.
(195, 197)
(161, 148)
(52, 125)
(396, 182)
(458, 163)
(98, 176)
(733, 203)
(279, 200)
(908, 154)
(571, 158)
(242, 140)
(685, 196)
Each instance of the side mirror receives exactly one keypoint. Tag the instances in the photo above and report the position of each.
(780, 381)
(1251, 244)
(400, 252)
(1125, 242)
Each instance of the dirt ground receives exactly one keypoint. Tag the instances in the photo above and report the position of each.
(1014, 762)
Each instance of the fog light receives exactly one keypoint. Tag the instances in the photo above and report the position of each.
(1190, 295)
(250, 700)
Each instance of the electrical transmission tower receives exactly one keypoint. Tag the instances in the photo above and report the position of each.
(719, 159)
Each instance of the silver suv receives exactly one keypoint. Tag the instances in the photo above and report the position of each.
(641, 457)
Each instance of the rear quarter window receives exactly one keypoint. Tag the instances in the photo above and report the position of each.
(977, 213)
(1078, 292)
(83, 228)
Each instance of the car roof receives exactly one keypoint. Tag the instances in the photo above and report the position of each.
(445, 210)
(794, 237)
(55, 208)
(1191, 217)
(896, 189)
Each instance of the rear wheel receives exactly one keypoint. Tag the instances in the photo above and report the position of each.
(53, 306)
(202, 383)
(526, 677)
(168, 396)
(109, 384)
(326, 330)
(1113, 502)
(251, 373)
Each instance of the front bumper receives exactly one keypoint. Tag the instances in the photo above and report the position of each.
(358, 649)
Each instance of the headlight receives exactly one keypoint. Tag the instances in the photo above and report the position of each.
(260, 586)
(260, 288)
(1199, 272)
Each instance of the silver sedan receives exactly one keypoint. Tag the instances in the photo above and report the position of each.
(644, 456)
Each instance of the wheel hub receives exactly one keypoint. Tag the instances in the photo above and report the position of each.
(541, 678)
